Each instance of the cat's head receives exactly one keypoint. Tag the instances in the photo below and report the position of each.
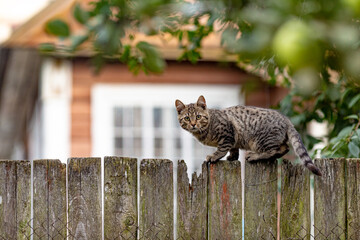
(193, 117)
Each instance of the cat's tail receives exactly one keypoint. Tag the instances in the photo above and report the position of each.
(300, 150)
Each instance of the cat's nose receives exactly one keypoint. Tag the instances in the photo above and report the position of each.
(193, 124)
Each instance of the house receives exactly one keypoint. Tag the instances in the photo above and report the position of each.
(76, 113)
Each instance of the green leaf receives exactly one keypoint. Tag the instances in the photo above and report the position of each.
(272, 81)
(354, 149)
(353, 116)
(286, 105)
(357, 132)
(354, 100)
(181, 33)
(132, 64)
(76, 41)
(345, 132)
(58, 28)
(108, 38)
(80, 14)
(343, 95)
(298, 119)
(335, 145)
(229, 40)
(333, 93)
(47, 47)
(125, 56)
(193, 56)
(152, 59)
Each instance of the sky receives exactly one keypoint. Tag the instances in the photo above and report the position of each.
(13, 13)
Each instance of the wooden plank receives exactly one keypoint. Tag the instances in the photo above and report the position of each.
(225, 201)
(353, 198)
(260, 200)
(156, 199)
(84, 193)
(41, 223)
(49, 199)
(330, 200)
(57, 199)
(295, 202)
(15, 199)
(192, 203)
(8, 226)
(23, 201)
(120, 198)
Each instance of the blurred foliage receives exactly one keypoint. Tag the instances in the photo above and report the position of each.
(335, 103)
(310, 46)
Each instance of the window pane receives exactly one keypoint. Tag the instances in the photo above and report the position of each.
(137, 117)
(118, 142)
(128, 117)
(178, 147)
(128, 147)
(175, 119)
(137, 147)
(158, 112)
(118, 113)
(158, 147)
(119, 146)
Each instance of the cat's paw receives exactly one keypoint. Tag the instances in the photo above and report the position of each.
(251, 156)
(211, 159)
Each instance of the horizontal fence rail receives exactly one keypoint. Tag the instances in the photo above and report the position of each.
(47, 199)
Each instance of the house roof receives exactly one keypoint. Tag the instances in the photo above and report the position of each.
(32, 33)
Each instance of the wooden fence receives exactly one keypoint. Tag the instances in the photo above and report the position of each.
(67, 201)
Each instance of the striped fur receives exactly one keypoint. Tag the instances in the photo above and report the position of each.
(263, 133)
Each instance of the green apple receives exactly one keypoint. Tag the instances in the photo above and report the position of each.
(354, 5)
(295, 45)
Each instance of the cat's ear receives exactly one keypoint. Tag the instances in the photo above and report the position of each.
(179, 106)
(201, 102)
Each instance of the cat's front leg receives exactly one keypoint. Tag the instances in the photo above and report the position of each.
(225, 145)
(216, 156)
(213, 158)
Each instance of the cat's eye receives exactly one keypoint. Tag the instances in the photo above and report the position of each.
(198, 117)
(187, 118)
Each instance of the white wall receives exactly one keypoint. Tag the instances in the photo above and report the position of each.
(51, 136)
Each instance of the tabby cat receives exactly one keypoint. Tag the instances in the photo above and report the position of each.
(264, 133)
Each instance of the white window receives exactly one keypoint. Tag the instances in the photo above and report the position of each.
(141, 120)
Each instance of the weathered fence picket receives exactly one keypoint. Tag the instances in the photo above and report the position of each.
(156, 199)
(15, 199)
(8, 179)
(49, 200)
(295, 202)
(192, 204)
(225, 204)
(120, 198)
(353, 198)
(23, 199)
(330, 200)
(260, 200)
(84, 193)
(208, 208)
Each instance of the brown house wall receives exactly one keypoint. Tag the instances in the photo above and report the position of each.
(176, 73)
